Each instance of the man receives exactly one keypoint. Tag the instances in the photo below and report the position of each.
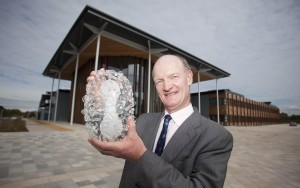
(195, 150)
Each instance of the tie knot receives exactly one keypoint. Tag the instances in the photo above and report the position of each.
(168, 117)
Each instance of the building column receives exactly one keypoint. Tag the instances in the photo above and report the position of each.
(50, 102)
(57, 95)
(97, 31)
(217, 92)
(75, 51)
(97, 51)
(74, 90)
(199, 94)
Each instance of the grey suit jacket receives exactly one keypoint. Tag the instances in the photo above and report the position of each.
(196, 155)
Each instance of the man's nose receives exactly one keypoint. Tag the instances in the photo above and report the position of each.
(167, 85)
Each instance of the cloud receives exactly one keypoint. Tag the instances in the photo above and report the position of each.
(256, 41)
(13, 79)
(23, 105)
(292, 110)
(31, 31)
(294, 107)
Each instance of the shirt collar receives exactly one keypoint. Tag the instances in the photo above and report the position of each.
(181, 115)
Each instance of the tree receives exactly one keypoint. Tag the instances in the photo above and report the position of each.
(295, 118)
(284, 118)
(12, 113)
(30, 114)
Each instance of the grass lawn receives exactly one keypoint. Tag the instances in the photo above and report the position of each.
(12, 125)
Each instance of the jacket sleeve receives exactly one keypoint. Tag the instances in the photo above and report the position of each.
(209, 167)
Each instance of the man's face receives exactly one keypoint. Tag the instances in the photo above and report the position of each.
(172, 81)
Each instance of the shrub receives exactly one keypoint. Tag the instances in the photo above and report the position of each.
(12, 125)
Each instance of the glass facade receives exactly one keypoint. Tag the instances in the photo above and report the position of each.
(135, 69)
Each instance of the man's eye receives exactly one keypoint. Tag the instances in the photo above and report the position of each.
(158, 82)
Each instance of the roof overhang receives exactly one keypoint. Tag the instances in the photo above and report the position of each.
(117, 39)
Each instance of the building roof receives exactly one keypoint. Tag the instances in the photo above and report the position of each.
(232, 92)
(117, 39)
(214, 91)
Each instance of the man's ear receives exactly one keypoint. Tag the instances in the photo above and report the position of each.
(190, 77)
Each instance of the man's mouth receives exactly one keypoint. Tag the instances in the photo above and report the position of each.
(170, 94)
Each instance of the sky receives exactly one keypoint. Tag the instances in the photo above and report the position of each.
(256, 41)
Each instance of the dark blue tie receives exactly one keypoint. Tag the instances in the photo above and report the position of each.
(162, 138)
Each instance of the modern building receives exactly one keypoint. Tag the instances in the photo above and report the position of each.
(56, 105)
(98, 40)
(235, 109)
(43, 109)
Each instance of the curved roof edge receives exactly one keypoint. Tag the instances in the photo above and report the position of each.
(78, 36)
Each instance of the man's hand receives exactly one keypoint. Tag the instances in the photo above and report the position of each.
(130, 147)
(91, 77)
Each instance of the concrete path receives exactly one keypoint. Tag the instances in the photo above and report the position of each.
(58, 155)
(264, 156)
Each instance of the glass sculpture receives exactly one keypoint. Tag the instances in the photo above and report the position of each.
(107, 104)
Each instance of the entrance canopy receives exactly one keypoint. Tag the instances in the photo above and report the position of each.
(117, 39)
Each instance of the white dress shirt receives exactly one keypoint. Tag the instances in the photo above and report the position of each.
(177, 119)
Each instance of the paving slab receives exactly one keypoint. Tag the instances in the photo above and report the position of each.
(58, 155)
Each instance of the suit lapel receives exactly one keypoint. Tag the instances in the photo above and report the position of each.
(151, 130)
(182, 137)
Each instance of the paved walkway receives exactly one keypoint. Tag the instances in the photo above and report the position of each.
(54, 156)
(58, 155)
(264, 156)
